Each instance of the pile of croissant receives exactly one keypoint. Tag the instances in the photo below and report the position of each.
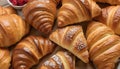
(61, 34)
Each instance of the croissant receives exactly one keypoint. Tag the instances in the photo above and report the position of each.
(60, 60)
(28, 52)
(12, 29)
(5, 58)
(71, 12)
(41, 14)
(111, 17)
(94, 9)
(112, 2)
(7, 10)
(103, 44)
(72, 39)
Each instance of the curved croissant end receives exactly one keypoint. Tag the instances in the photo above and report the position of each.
(104, 45)
(72, 39)
(94, 9)
(28, 52)
(7, 10)
(5, 59)
(72, 11)
(12, 29)
(60, 60)
(111, 17)
(41, 14)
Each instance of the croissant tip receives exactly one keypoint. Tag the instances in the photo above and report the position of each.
(60, 23)
(48, 31)
(87, 61)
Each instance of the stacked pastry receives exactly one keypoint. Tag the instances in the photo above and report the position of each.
(12, 29)
(67, 42)
(30, 50)
(101, 39)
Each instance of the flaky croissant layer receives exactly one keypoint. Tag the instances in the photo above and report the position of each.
(72, 39)
(104, 45)
(92, 7)
(7, 10)
(71, 12)
(60, 60)
(111, 17)
(12, 29)
(30, 50)
(5, 59)
(112, 2)
(41, 14)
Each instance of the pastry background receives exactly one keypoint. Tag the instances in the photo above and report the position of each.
(4, 3)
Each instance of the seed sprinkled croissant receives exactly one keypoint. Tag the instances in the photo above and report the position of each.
(72, 39)
(60, 60)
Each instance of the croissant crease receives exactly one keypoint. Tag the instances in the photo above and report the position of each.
(111, 17)
(12, 29)
(81, 65)
(41, 14)
(60, 60)
(112, 2)
(5, 59)
(103, 44)
(94, 9)
(7, 10)
(72, 39)
(71, 12)
(28, 52)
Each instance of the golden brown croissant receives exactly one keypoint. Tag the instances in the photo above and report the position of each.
(60, 60)
(5, 58)
(7, 10)
(41, 14)
(112, 2)
(72, 39)
(28, 52)
(94, 9)
(104, 45)
(71, 12)
(12, 29)
(111, 17)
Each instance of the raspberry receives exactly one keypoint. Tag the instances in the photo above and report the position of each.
(14, 2)
(20, 2)
(25, 1)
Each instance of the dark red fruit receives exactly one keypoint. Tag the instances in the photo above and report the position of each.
(25, 1)
(14, 2)
(18, 2)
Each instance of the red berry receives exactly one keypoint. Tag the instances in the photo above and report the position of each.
(14, 2)
(20, 2)
(25, 1)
